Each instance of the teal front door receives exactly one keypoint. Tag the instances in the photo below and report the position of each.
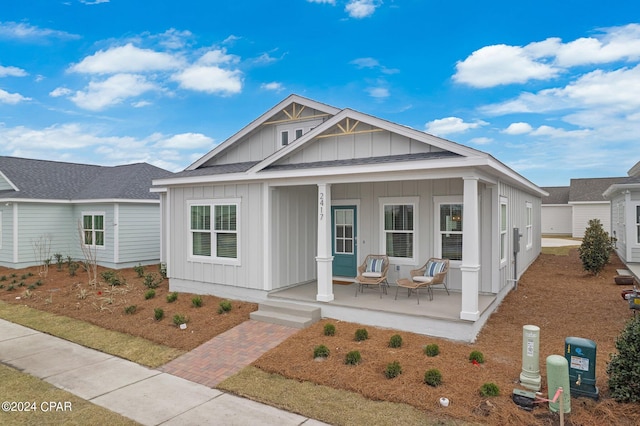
(344, 241)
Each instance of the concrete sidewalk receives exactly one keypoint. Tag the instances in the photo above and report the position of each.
(147, 396)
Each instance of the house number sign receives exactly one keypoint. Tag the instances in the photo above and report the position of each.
(321, 204)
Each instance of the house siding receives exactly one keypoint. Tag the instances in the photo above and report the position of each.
(557, 220)
(249, 272)
(138, 227)
(6, 242)
(104, 255)
(583, 213)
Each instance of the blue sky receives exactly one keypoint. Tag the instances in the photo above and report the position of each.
(550, 88)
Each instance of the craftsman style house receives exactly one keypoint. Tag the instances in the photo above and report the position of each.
(303, 193)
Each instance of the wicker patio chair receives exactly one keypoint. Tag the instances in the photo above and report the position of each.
(434, 272)
(373, 272)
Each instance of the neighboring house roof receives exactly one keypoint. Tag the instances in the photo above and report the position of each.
(557, 195)
(52, 180)
(585, 190)
(629, 183)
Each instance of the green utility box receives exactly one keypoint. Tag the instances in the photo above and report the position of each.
(581, 356)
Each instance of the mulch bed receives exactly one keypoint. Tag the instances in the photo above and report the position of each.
(554, 294)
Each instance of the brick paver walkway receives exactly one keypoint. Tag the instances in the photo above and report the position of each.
(228, 353)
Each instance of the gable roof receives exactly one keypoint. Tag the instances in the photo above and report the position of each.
(52, 180)
(331, 122)
(591, 189)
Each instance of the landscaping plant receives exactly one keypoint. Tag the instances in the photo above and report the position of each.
(196, 301)
(624, 367)
(172, 297)
(225, 306)
(329, 329)
(395, 341)
(353, 358)
(433, 377)
(596, 247)
(361, 334)
(476, 356)
(149, 294)
(393, 370)
(489, 389)
(431, 350)
(158, 314)
(321, 351)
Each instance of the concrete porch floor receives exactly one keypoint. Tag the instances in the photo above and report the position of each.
(438, 317)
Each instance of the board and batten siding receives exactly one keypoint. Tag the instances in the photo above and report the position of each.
(248, 273)
(517, 218)
(557, 219)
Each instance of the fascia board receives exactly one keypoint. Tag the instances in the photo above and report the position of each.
(259, 121)
(516, 177)
(579, 203)
(97, 201)
(619, 188)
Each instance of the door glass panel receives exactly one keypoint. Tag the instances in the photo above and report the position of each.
(344, 231)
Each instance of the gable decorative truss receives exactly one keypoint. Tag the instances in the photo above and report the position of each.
(348, 126)
(295, 114)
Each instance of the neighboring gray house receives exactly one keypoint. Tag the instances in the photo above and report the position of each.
(304, 192)
(625, 213)
(48, 207)
(567, 210)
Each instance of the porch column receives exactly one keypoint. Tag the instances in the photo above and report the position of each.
(324, 259)
(470, 267)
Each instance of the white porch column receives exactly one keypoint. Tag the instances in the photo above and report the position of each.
(470, 267)
(324, 259)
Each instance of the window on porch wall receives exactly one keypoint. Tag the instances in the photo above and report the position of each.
(451, 231)
(503, 230)
(398, 230)
(638, 224)
(529, 227)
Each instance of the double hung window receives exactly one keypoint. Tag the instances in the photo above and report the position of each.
(450, 231)
(399, 220)
(93, 229)
(214, 230)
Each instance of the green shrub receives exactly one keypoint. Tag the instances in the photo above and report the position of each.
(152, 281)
(73, 268)
(172, 297)
(361, 334)
(38, 283)
(329, 329)
(624, 367)
(59, 261)
(149, 294)
(225, 306)
(162, 268)
(321, 351)
(158, 314)
(433, 377)
(476, 356)
(393, 370)
(112, 278)
(596, 247)
(196, 301)
(179, 319)
(489, 389)
(431, 350)
(353, 358)
(130, 310)
(139, 270)
(395, 341)
(3, 278)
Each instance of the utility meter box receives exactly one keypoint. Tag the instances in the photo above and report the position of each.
(581, 356)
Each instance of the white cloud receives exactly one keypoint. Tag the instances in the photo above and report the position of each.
(186, 141)
(60, 91)
(372, 63)
(518, 128)
(501, 64)
(11, 98)
(127, 58)
(333, 2)
(481, 141)
(274, 86)
(218, 57)
(361, 8)
(111, 91)
(92, 2)
(378, 92)
(448, 125)
(210, 79)
(173, 39)
(12, 72)
(26, 32)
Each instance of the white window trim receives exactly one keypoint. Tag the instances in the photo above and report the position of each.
(504, 234)
(437, 240)
(104, 229)
(529, 224)
(1, 229)
(212, 203)
(282, 133)
(413, 201)
(636, 223)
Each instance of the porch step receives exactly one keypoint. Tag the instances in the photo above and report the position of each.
(289, 314)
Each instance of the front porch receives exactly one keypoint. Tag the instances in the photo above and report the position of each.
(439, 317)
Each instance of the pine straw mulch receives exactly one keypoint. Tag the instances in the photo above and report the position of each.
(555, 294)
(104, 305)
